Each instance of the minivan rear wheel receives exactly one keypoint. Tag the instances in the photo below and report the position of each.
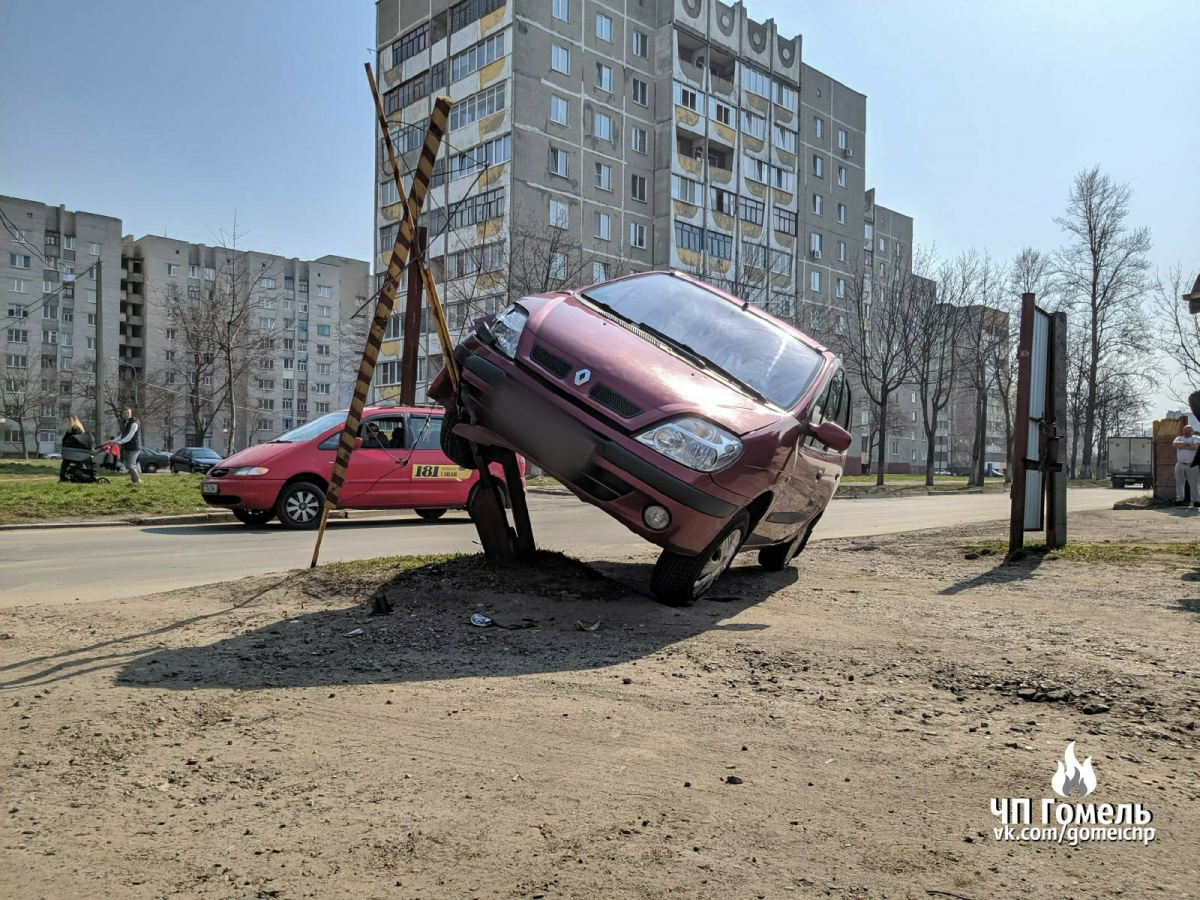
(680, 580)
(299, 505)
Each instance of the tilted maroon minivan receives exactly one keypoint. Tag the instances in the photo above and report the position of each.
(700, 422)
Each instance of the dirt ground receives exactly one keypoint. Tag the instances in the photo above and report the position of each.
(835, 730)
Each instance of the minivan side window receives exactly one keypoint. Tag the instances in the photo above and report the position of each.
(426, 431)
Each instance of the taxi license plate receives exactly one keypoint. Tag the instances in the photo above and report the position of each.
(210, 488)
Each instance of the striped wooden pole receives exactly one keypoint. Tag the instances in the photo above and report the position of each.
(405, 235)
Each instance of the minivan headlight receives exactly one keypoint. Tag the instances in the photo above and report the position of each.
(250, 470)
(507, 330)
(694, 443)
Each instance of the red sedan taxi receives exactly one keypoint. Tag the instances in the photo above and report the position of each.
(399, 465)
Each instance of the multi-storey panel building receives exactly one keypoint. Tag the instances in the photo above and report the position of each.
(287, 317)
(590, 139)
(60, 322)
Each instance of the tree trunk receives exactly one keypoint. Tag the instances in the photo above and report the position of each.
(24, 441)
(930, 440)
(882, 440)
(1008, 439)
(232, 405)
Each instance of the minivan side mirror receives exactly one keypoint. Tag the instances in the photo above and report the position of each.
(833, 436)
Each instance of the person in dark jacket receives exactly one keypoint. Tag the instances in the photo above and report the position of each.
(75, 438)
(131, 443)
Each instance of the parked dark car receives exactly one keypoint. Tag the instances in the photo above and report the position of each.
(700, 422)
(193, 459)
(153, 460)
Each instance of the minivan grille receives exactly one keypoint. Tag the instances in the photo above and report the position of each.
(622, 406)
(551, 362)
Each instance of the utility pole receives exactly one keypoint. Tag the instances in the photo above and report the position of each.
(101, 353)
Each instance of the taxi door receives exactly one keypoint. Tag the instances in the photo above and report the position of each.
(434, 481)
(376, 477)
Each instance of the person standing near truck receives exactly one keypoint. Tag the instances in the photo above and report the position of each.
(1186, 446)
(131, 444)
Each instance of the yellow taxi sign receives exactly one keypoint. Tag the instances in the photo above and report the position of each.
(428, 471)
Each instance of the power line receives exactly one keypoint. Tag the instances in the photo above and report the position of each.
(35, 305)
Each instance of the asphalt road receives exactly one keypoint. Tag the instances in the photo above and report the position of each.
(62, 565)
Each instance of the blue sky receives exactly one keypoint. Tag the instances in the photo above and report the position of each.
(173, 115)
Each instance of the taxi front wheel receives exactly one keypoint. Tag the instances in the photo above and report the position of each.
(299, 505)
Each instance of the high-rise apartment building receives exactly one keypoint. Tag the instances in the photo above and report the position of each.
(588, 140)
(60, 321)
(284, 320)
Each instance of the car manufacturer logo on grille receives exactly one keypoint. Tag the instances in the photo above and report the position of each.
(582, 376)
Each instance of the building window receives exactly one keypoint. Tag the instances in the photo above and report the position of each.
(784, 95)
(478, 106)
(558, 162)
(841, 290)
(560, 59)
(750, 210)
(686, 97)
(720, 112)
(604, 28)
(756, 82)
(868, 231)
(268, 282)
(93, 248)
(641, 46)
(561, 9)
(599, 271)
(637, 188)
(842, 213)
(637, 140)
(841, 176)
(637, 235)
(604, 77)
(785, 220)
(558, 265)
(603, 177)
(842, 140)
(815, 244)
(410, 44)
(603, 226)
(387, 195)
(814, 280)
(324, 291)
(559, 110)
(841, 251)
(818, 126)
(818, 166)
(755, 126)
(756, 169)
(818, 205)
(785, 138)
(172, 269)
(689, 237)
(719, 245)
(723, 201)
(20, 286)
(641, 92)
(17, 311)
(323, 310)
(210, 274)
(18, 261)
(686, 190)
(783, 179)
(883, 245)
(602, 127)
(560, 214)
(472, 60)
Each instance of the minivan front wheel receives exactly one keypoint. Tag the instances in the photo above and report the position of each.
(680, 580)
(778, 557)
(299, 505)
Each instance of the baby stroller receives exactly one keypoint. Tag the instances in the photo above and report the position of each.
(78, 465)
(112, 456)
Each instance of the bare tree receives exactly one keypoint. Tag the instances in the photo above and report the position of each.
(879, 340)
(1177, 334)
(28, 394)
(985, 328)
(1103, 273)
(938, 323)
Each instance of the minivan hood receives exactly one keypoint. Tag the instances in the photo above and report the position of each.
(662, 384)
(257, 455)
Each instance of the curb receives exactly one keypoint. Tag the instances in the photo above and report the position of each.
(142, 521)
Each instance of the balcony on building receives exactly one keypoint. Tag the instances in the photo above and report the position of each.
(716, 165)
(703, 65)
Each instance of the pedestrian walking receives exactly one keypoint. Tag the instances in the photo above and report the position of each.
(131, 442)
(1186, 473)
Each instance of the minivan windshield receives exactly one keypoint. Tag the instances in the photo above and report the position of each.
(749, 349)
(310, 430)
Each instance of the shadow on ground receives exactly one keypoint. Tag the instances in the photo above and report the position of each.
(1019, 568)
(430, 636)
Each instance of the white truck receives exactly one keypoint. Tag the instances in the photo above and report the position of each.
(1130, 460)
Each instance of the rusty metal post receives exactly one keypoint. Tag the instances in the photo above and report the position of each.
(412, 322)
(1055, 471)
(1016, 522)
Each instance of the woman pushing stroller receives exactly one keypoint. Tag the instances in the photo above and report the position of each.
(77, 450)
